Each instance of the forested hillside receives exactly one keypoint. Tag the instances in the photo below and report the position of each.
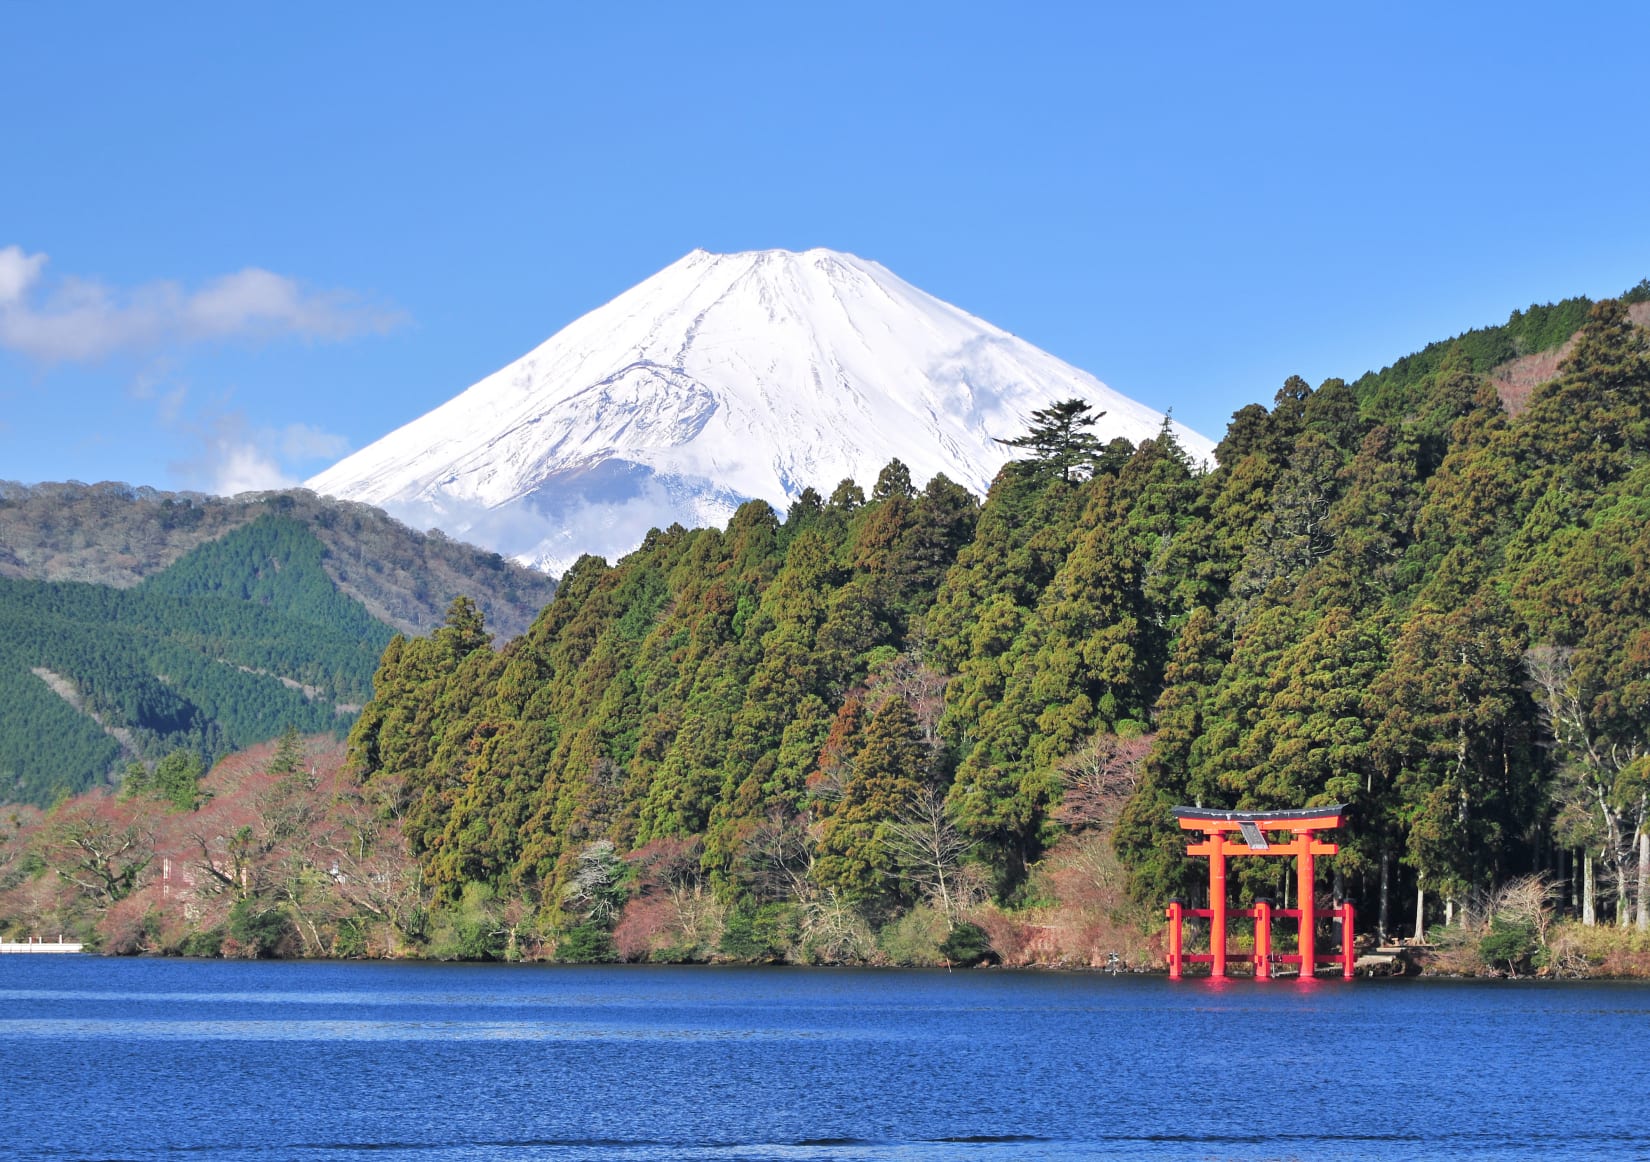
(239, 637)
(1392, 596)
(114, 534)
(907, 725)
(242, 637)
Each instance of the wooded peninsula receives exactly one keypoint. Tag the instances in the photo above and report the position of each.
(904, 726)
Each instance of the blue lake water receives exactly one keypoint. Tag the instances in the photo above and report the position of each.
(146, 1059)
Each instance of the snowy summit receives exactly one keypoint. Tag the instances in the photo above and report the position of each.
(723, 378)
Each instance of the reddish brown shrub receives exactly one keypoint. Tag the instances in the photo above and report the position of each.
(645, 926)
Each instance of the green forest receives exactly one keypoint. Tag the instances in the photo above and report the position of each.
(1391, 594)
(191, 658)
(904, 725)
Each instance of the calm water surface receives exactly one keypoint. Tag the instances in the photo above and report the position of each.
(144, 1059)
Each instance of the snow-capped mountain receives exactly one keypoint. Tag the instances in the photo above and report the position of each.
(723, 378)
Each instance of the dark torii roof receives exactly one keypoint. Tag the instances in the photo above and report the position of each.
(1300, 818)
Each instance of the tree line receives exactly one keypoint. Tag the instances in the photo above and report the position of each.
(1394, 596)
(911, 726)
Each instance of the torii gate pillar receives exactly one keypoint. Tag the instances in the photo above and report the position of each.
(1218, 843)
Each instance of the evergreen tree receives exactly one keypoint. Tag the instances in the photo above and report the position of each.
(855, 859)
(177, 780)
(1059, 440)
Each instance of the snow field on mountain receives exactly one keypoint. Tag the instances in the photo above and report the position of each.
(722, 378)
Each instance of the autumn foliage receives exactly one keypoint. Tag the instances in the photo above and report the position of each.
(285, 855)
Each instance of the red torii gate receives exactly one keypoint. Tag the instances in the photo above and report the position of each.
(1217, 826)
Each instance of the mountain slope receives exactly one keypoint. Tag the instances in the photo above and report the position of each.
(236, 641)
(1520, 354)
(1388, 613)
(134, 622)
(720, 379)
(115, 534)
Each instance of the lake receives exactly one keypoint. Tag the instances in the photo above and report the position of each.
(142, 1059)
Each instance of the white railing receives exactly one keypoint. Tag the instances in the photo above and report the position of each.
(38, 944)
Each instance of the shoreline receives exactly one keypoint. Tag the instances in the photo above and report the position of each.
(1423, 973)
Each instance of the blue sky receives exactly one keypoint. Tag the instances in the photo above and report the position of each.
(237, 241)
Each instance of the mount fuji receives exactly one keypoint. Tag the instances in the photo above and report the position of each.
(723, 378)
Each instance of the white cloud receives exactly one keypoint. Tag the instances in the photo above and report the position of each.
(245, 467)
(18, 272)
(303, 442)
(233, 457)
(82, 319)
(550, 533)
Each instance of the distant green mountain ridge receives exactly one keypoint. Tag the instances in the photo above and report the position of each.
(1388, 395)
(275, 562)
(237, 640)
(274, 616)
(115, 534)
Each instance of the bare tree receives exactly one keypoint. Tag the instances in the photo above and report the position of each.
(673, 891)
(1596, 782)
(1527, 901)
(922, 687)
(100, 846)
(929, 849)
(833, 930)
(367, 860)
(776, 859)
(1099, 777)
(596, 890)
(15, 823)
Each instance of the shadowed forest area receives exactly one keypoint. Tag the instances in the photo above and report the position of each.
(906, 727)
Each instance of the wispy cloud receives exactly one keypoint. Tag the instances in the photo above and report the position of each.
(302, 442)
(550, 531)
(77, 319)
(234, 456)
(153, 385)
